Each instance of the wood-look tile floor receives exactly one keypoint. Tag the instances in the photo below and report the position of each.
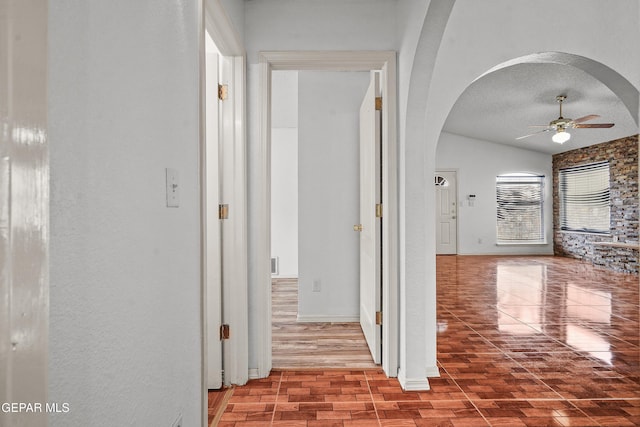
(312, 345)
(522, 341)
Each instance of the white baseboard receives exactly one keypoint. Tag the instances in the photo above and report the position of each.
(322, 318)
(284, 276)
(253, 374)
(433, 372)
(413, 384)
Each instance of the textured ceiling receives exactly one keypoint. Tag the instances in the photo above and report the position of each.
(501, 106)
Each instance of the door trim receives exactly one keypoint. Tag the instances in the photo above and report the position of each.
(213, 18)
(330, 61)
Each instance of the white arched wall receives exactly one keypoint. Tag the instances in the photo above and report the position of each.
(456, 47)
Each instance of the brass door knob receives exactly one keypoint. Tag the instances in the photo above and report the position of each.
(357, 227)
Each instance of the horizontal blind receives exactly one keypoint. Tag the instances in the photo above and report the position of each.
(584, 198)
(519, 202)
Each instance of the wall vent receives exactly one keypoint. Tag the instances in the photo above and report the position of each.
(274, 265)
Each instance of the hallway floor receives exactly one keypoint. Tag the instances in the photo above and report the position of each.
(522, 341)
(310, 344)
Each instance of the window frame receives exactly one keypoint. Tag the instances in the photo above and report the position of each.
(524, 179)
(587, 171)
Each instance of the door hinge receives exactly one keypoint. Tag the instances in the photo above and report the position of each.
(379, 210)
(223, 211)
(378, 318)
(223, 92)
(225, 332)
(378, 103)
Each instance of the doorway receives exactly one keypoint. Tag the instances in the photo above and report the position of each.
(446, 186)
(314, 204)
(331, 61)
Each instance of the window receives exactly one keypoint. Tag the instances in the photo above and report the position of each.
(584, 198)
(519, 198)
(441, 181)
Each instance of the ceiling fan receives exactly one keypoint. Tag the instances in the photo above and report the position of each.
(561, 124)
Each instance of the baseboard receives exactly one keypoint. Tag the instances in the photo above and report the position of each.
(433, 372)
(322, 318)
(284, 276)
(413, 384)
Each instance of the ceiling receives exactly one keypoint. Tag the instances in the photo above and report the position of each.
(500, 106)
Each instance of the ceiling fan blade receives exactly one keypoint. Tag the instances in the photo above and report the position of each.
(535, 133)
(585, 118)
(594, 125)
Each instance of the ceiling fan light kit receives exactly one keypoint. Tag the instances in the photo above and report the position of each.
(561, 136)
(560, 125)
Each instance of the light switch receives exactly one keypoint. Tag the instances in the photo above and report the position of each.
(173, 200)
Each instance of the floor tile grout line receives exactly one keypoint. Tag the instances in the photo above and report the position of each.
(275, 404)
(466, 324)
(373, 401)
(561, 397)
(509, 356)
(464, 393)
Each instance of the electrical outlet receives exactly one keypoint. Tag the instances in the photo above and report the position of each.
(316, 285)
(178, 421)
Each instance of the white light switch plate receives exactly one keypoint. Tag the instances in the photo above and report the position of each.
(173, 199)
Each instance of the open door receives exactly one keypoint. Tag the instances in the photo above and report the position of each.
(212, 249)
(370, 227)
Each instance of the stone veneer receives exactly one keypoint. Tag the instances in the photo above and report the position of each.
(622, 155)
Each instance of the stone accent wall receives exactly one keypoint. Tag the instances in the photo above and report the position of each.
(622, 155)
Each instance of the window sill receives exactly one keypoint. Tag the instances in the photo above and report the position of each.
(590, 233)
(626, 245)
(522, 244)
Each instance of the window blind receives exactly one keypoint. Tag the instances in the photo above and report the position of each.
(519, 209)
(584, 198)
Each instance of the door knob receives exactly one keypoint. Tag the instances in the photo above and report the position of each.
(357, 227)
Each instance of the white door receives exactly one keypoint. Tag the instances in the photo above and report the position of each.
(370, 227)
(212, 250)
(446, 213)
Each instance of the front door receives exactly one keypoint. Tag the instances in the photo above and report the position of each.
(446, 213)
(370, 227)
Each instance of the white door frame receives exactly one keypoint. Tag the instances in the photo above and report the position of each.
(24, 211)
(331, 61)
(213, 17)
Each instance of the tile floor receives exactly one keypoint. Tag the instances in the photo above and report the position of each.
(522, 341)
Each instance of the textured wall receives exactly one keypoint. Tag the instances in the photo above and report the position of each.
(622, 155)
(125, 336)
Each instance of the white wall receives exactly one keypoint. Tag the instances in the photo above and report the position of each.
(125, 333)
(284, 171)
(284, 200)
(478, 163)
(329, 106)
(235, 12)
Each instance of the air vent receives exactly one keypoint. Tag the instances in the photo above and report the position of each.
(274, 265)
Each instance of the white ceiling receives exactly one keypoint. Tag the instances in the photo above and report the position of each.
(501, 106)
